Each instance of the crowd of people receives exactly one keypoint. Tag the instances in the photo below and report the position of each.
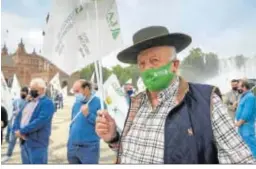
(172, 122)
(241, 105)
(56, 96)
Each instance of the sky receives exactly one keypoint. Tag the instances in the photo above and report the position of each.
(224, 27)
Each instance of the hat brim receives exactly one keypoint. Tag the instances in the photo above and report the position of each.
(177, 40)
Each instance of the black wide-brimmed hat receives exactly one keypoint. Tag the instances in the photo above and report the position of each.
(151, 37)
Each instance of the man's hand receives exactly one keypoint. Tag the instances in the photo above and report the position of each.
(17, 134)
(236, 124)
(239, 123)
(84, 110)
(105, 126)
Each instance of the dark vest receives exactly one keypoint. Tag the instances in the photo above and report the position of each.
(188, 130)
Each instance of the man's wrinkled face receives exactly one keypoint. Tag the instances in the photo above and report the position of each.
(77, 87)
(156, 57)
(234, 85)
(37, 88)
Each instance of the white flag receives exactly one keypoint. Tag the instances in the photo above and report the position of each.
(15, 89)
(129, 81)
(71, 91)
(71, 41)
(140, 85)
(93, 77)
(55, 82)
(116, 101)
(6, 97)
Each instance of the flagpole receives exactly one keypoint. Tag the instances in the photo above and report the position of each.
(97, 72)
(101, 77)
(6, 37)
(99, 80)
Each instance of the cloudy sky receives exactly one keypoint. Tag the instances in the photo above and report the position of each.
(222, 26)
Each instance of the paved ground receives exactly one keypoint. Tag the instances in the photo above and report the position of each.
(58, 140)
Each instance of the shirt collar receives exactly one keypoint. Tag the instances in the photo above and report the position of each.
(166, 93)
(245, 93)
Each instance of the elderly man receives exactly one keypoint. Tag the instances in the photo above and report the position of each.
(246, 116)
(173, 121)
(83, 142)
(232, 98)
(33, 125)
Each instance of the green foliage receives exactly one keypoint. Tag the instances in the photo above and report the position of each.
(86, 73)
(123, 73)
(198, 66)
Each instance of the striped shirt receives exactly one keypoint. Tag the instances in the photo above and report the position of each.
(28, 112)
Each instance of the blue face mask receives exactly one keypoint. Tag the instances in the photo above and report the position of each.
(130, 92)
(80, 97)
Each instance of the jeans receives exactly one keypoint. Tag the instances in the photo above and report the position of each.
(7, 137)
(33, 155)
(87, 153)
(12, 142)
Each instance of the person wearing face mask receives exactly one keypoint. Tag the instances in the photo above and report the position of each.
(83, 143)
(33, 125)
(129, 92)
(18, 104)
(232, 98)
(78, 97)
(173, 121)
(246, 116)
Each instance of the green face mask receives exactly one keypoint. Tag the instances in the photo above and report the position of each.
(157, 79)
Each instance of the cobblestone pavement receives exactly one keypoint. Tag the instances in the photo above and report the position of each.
(58, 140)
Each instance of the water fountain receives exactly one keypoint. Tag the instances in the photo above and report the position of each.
(228, 70)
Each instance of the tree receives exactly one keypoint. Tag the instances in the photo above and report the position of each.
(86, 73)
(123, 74)
(198, 66)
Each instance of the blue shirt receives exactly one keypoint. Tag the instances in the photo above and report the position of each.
(18, 104)
(246, 111)
(82, 130)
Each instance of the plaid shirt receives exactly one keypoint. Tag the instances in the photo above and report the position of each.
(144, 141)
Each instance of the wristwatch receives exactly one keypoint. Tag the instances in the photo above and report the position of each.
(115, 139)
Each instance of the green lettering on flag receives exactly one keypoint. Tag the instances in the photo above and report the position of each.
(113, 23)
(115, 33)
(79, 9)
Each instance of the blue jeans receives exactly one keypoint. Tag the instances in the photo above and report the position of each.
(87, 153)
(11, 145)
(7, 138)
(33, 155)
